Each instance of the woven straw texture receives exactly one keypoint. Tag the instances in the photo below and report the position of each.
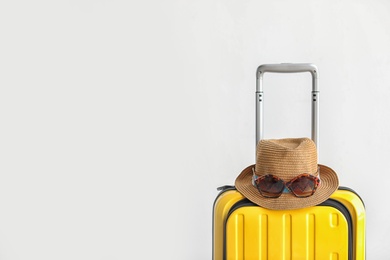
(287, 158)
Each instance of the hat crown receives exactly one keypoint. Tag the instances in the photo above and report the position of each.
(286, 158)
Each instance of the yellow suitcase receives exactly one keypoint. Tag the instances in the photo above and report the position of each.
(332, 230)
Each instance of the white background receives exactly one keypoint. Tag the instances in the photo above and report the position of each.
(118, 119)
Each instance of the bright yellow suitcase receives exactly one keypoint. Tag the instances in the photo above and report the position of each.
(333, 230)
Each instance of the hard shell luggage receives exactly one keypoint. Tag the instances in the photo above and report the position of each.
(334, 229)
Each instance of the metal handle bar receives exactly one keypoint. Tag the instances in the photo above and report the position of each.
(287, 68)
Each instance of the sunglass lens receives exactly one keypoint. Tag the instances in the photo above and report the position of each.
(303, 186)
(270, 186)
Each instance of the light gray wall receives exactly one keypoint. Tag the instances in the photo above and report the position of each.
(119, 119)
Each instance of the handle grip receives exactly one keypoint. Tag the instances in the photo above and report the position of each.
(287, 68)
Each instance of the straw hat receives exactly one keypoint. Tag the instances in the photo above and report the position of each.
(286, 159)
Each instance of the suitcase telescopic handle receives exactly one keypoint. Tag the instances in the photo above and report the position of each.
(287, 68)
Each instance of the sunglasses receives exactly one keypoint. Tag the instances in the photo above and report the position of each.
(271, 186)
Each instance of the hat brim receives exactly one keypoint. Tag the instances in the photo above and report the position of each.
(329, 184)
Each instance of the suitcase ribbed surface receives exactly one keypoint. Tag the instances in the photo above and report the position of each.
(257, 233)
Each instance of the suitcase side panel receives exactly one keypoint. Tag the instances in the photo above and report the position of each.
(356, 208)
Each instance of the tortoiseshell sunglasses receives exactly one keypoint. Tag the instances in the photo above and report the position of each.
(271, 186)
